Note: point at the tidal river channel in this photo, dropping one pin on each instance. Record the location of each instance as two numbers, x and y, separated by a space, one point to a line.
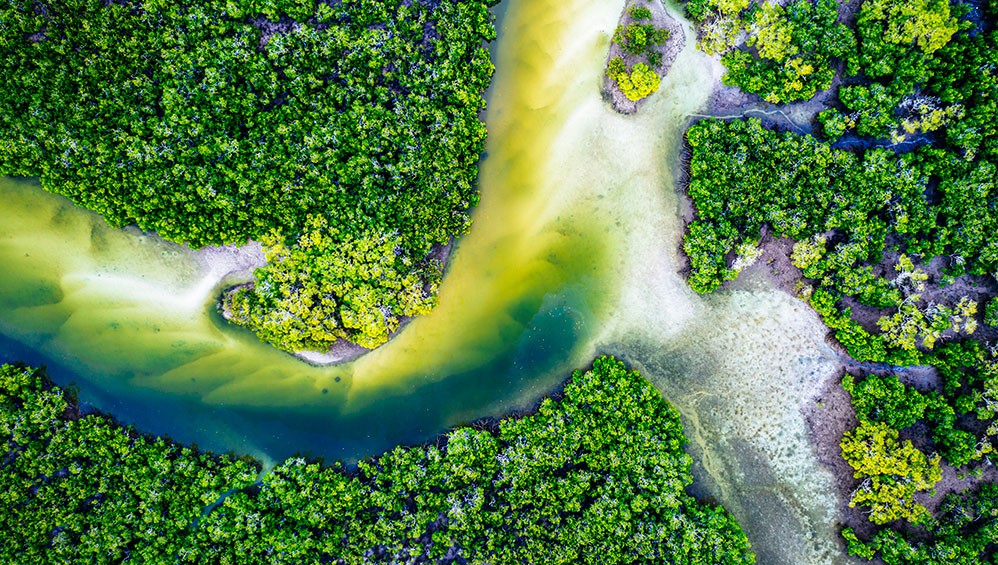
573 252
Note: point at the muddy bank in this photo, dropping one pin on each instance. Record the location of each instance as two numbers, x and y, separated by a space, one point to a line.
829 416
233 262
729 102
340 352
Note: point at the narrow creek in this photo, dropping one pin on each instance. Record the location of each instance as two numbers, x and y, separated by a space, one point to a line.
573 252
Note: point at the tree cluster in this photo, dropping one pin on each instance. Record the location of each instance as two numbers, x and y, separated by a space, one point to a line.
892 471
640 82
597 475
904 69
787 52
78 488
963 533
639 39
789 48
325 288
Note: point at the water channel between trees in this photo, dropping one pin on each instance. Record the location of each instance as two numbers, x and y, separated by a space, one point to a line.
573 252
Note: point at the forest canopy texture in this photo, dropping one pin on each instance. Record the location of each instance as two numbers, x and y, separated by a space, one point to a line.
217 121
594 476
892 208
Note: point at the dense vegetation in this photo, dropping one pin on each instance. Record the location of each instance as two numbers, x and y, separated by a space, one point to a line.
963 534
640 41
866 231
322 289
789 48
897 252
213 122
914 78
77 488
892 472
596 476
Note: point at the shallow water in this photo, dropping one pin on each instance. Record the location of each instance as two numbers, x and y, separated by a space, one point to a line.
573 251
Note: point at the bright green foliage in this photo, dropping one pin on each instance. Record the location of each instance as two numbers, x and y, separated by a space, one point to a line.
833 123
892 472
889 110
794 44
856 547
181 117
927 24
991 313
986 403
970 387
772 33
640 83
640 13
964 73
963 533
896 36
958 447
324 288
967 215
701 10
640 39
743 176
615 67
794 47
809 252
78 488
597 476
871 107
903 48
910 327
884 399
719 35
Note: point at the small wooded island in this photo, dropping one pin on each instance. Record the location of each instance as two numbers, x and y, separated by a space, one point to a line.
646 42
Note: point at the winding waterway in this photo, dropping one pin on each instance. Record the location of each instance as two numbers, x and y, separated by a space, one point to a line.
573 252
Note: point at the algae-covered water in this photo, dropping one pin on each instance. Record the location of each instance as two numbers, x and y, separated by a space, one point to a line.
574 251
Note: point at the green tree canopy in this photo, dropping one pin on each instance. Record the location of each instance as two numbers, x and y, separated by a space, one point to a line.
925 23
892 472
325 288
884 399
597 476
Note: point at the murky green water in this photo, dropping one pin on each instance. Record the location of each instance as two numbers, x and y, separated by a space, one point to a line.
573 251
